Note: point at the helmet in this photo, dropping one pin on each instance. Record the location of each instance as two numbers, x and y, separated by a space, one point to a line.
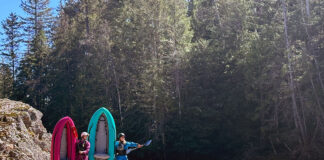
84 134
120 135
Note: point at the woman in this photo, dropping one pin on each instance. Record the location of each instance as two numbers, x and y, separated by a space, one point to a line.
83 147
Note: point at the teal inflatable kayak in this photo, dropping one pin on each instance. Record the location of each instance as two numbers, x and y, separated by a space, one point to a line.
102 136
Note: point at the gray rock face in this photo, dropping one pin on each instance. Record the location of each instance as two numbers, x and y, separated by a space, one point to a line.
22 134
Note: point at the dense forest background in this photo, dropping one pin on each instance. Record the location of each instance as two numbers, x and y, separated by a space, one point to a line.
205 79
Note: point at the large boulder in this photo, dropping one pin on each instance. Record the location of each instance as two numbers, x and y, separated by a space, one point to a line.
22 134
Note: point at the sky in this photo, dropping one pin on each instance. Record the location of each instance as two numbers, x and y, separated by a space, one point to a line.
8 6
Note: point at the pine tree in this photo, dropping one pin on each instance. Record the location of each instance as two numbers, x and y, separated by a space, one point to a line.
5 81
32 79
206 79
39 17
159 41
11 44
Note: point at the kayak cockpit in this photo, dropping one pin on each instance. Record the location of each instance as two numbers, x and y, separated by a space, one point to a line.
63 147
102 140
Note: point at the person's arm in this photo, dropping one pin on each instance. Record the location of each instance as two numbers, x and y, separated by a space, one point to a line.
77 145
133 144
87 149
116 144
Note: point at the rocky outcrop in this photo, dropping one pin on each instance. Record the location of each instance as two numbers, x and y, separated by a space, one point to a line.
22 134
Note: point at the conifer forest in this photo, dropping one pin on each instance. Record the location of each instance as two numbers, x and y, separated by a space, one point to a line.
204 79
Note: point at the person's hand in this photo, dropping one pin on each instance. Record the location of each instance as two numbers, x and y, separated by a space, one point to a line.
139 146
80 152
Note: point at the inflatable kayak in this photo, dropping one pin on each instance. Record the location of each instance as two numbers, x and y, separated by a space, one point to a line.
64 139
102 136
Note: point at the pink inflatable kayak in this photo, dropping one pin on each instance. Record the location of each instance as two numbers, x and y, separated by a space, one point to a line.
64 139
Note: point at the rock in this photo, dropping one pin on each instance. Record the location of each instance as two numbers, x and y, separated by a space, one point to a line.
22 134
9 147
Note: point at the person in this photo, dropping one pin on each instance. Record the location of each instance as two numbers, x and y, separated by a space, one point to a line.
83 147
122 145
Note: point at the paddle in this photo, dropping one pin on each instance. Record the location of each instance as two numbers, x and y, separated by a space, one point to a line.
147 143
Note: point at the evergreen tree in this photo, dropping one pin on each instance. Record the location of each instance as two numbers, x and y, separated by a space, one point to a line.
5 81
205 79
10 46
39 17
32 79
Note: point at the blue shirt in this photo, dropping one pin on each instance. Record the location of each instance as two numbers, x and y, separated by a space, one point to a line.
126 146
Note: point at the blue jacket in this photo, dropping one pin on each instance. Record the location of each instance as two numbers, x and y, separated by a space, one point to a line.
126 146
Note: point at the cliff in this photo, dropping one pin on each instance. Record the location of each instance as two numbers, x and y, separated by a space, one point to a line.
22 134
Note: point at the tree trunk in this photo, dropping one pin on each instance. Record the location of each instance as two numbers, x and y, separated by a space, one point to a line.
177 59
178 84
319 112
291 83
319 107
156 58
87 17
36 20
13 74
307 9
217 14
309 48
301 101
118 95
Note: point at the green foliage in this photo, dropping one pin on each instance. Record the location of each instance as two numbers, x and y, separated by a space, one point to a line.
32 79
38 17
205 79
9 51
